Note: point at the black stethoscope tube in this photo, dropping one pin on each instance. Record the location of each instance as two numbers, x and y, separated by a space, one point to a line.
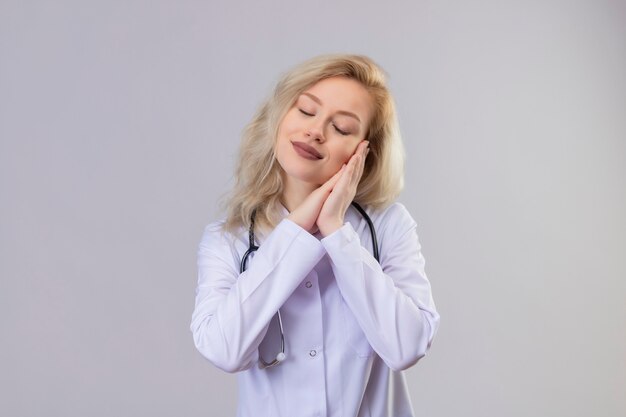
252 248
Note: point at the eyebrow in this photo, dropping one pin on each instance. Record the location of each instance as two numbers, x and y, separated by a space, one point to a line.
344 112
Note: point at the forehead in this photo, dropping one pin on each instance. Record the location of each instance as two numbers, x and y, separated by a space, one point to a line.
342 93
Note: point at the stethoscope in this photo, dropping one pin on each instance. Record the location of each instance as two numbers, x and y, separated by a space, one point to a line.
253 248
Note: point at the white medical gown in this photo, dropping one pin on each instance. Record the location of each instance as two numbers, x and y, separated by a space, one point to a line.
351 325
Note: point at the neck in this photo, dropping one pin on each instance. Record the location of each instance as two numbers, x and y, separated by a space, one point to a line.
295 192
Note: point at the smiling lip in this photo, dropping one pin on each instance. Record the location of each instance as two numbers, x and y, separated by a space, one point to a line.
306 151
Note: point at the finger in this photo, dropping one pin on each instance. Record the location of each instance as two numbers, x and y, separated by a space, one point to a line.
335 178
361 166
360 148
345 180
358 170
364 146
330 184
353 169
366 149
362 151
359 161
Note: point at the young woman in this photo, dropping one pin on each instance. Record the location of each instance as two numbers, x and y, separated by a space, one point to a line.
290 292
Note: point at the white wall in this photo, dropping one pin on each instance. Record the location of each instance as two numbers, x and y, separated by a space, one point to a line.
119 123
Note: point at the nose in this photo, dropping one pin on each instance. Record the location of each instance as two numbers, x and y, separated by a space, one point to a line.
315 130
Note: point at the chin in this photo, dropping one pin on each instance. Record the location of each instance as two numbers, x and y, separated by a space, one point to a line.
307 176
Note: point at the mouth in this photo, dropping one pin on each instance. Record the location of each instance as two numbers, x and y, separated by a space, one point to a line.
306 151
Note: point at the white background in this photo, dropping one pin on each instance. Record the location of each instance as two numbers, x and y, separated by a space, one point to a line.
119 126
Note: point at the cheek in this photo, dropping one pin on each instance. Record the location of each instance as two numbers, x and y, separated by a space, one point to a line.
288 124
345 152
283 135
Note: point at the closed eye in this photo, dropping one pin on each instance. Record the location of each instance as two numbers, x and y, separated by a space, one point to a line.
305 113
341 132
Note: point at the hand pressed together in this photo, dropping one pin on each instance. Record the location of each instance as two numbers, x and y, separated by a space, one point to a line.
326 206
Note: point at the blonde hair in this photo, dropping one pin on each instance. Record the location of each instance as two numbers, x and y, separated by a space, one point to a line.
259 184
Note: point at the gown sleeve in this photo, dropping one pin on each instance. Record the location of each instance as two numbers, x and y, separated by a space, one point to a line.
391 301
232 310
